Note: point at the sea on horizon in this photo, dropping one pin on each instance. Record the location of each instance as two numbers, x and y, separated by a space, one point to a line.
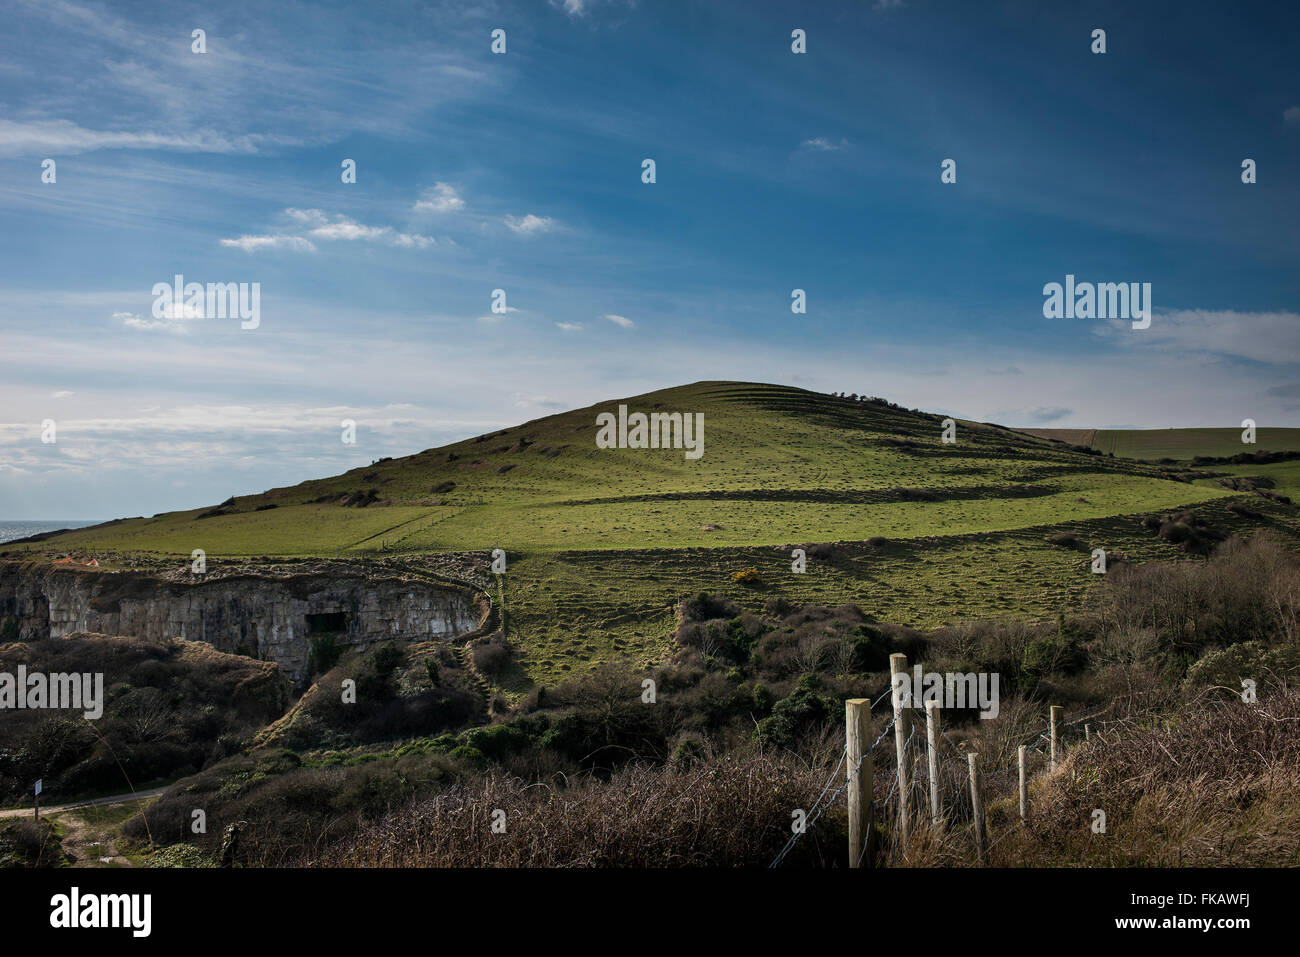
11 529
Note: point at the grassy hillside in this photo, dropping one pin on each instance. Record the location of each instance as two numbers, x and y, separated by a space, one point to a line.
780 465
603 543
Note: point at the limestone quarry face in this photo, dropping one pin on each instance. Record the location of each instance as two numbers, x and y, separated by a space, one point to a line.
274 614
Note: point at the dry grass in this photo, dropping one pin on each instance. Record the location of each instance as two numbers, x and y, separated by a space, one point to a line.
729 811
1218 785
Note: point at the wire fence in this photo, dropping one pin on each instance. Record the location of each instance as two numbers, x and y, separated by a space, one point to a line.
952 777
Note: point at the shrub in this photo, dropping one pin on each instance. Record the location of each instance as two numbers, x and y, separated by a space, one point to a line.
704 606
491 657
1226 667
324 654
1190 530
804 707
687 752
496 740
24 843
1057 654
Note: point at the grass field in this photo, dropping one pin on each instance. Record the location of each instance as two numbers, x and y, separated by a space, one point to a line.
1180 444
780 465
604 542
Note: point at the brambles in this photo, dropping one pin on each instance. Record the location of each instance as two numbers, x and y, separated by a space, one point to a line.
1189 529
26 843
171 708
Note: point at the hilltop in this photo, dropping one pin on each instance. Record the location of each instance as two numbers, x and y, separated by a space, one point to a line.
780 465
603 543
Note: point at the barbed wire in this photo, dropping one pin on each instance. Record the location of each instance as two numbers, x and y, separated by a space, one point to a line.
818 809
1038 742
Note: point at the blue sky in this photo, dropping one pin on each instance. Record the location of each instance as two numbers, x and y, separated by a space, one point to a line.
522 172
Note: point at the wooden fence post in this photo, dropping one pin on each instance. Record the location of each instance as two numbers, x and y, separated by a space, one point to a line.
1056 717
902 722
861 778
977 803
501 600
932 731
1024 786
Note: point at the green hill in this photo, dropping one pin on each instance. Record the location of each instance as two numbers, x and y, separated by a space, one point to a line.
780 465
604 542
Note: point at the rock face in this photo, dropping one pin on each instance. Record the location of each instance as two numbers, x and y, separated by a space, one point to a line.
272 616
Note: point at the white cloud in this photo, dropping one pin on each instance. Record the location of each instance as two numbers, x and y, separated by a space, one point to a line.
62 394
1272 337
251 243
574 8
530 225
66 137
323 227
348 229
821 144
133 321
308 217
623 321
440 198
577 9
413 240
570 326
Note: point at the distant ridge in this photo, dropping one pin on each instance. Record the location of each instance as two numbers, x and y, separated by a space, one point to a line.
1178 444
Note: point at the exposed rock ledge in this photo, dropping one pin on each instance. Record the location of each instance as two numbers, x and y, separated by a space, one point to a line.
272 612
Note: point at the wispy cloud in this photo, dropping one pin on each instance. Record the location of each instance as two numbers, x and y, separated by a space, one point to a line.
577 9
65 137
822 144
1272 337
530 225
525 401
618 320
570 326
439 198
497 316
252 243
327 228
1033 415
133 321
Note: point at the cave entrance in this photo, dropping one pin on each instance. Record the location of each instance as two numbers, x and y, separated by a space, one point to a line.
327 622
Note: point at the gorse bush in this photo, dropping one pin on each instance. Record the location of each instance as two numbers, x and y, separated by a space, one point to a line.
807 707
